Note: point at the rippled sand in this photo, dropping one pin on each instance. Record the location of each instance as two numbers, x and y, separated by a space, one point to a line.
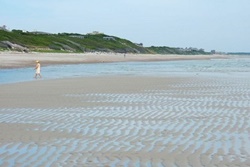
126 121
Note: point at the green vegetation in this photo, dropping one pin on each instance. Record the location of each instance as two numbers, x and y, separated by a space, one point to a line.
239 53
180 51
77 43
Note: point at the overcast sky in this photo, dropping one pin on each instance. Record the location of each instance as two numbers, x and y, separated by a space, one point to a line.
223 25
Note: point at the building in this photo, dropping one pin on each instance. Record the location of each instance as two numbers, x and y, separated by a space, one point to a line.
109 38
94 33
139 44
213 51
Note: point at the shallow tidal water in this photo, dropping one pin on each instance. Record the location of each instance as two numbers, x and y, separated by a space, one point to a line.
238 66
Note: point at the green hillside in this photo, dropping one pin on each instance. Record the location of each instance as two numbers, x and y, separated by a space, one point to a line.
179 51
77 43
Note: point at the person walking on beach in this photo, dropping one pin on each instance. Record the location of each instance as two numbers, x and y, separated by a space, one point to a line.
38 69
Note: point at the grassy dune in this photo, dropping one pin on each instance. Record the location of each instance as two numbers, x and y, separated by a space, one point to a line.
78 43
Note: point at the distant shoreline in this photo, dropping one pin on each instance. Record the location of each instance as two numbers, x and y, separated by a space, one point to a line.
22 60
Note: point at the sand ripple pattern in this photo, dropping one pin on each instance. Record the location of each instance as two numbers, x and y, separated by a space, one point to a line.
188 124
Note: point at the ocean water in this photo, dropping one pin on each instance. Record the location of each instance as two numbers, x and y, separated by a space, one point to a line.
237 66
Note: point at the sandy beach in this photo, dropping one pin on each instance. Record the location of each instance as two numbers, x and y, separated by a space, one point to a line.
109 121
125 121
18 60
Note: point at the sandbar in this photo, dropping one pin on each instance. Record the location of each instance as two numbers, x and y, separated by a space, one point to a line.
125 121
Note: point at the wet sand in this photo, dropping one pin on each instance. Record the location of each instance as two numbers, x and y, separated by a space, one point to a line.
126 121
18 60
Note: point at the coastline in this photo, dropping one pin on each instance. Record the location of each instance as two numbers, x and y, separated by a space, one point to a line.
198 119
20 60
